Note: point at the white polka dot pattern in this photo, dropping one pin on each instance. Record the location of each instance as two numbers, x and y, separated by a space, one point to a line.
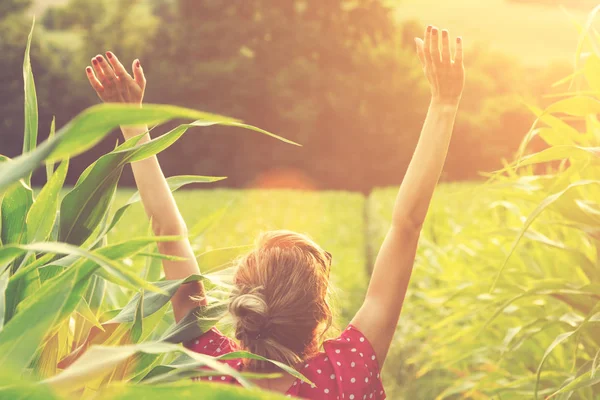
347 369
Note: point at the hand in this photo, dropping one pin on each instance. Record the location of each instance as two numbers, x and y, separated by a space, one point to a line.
112 82
446 75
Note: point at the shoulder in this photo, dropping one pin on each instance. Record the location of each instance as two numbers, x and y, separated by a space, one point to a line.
348 367
352 345
212 343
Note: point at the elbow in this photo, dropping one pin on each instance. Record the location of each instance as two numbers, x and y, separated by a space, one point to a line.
407 226
173 228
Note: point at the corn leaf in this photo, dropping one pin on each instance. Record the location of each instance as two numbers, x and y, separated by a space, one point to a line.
31 106
15 205
55 300
153 301
50 165
186 391
42 214
98 360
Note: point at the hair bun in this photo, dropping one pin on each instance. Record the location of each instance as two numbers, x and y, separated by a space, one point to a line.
251 314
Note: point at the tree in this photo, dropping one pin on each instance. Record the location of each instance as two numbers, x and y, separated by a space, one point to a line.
306 70
8 7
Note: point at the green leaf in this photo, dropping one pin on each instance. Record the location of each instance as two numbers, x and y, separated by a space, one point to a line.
13 170
244 126
83 309
3 284
50 165
152 301
42 214
558 340
15 206
578 106
15 386
244 354
18 290
31 107
591 68
161 256
101 257
56 299
90 126
582 381
85 206
174 182
197 321
587 28
536 212
560 153
98 360
138 320
186 391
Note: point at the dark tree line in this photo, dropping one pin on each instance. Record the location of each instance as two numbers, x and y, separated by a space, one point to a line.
340 77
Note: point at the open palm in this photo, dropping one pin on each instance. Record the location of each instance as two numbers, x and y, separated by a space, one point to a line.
112 82
446 74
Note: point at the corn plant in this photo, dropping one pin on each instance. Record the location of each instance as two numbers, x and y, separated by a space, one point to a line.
506 296
58 270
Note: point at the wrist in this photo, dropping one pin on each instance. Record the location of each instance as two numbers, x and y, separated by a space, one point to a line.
445 104
132 131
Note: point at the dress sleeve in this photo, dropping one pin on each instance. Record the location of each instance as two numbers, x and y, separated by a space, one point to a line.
357 371
212 343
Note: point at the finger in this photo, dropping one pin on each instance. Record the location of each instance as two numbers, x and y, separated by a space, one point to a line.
446 57
138 74
99 73
110 79
420 52
458 55
93 80
427 45
435 46
118 68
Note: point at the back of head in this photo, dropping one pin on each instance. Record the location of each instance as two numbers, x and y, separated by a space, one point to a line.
279 304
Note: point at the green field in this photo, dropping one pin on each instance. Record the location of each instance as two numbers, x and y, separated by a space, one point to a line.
454 334
335 220
351 228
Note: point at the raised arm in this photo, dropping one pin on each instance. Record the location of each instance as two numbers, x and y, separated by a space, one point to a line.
378 316
113 84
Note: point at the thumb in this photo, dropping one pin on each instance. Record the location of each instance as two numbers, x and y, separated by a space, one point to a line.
138 74
420 50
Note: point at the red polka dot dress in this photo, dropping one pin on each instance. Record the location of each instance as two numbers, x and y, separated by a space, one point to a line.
347 368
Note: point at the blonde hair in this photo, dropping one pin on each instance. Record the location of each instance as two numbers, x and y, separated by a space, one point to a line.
280 304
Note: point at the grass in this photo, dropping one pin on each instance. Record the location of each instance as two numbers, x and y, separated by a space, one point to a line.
445 337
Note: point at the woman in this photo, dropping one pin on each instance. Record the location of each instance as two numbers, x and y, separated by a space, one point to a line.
279 304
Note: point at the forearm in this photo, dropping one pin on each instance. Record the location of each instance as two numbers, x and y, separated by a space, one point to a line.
156 196
114 84
425 167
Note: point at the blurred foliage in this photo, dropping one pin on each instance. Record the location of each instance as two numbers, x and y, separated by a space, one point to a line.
51 77
338 76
